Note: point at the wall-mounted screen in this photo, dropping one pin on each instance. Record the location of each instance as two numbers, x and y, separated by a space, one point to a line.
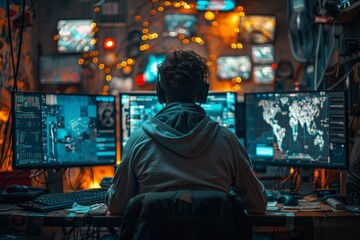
257 28
63 130
215 5
229 67
59 69
263 53
151 67
180 24
307 129
75 35
263 74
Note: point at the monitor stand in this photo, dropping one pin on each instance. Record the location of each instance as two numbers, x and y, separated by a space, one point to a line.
55 180
307 181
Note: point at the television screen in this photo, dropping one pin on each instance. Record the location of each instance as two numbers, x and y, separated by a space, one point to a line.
263 74
263 53
228 67
75 36
63 130
307 129
151 67
215 5
60 69
137 107
257 28
180 24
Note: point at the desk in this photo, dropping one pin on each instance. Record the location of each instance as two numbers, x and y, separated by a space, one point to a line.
322 225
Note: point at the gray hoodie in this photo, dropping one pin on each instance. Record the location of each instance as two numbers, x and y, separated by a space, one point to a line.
182 148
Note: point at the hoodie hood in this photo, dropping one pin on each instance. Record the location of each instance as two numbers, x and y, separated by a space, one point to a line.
183 128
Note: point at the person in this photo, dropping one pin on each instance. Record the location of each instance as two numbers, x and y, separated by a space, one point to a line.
181 148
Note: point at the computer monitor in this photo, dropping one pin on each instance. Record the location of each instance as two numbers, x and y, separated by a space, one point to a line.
215 5
229 67
54 131
60 69
137 107
263 74
180 24
305 129
75 35
264 53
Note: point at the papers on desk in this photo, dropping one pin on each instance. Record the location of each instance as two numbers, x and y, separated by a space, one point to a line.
305 205
95 209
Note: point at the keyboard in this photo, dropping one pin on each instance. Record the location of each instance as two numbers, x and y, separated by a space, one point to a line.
57 201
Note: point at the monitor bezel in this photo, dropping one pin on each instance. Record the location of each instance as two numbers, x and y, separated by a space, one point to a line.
299 164
16 166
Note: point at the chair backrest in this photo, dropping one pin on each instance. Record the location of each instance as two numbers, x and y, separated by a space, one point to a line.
185 214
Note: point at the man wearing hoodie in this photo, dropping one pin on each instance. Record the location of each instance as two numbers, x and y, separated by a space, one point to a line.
181 148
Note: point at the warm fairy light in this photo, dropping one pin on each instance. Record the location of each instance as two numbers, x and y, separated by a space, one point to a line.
238 79
144 37
187 6
105 93
106 88
137 18
130 61
209 15
292 170
214 23
198 40
93 42
56 37
241 14
167 3
145 24
96 9
101 66
240 8
145 31
107 70
201 42
155 35
123 63
154 1
185 41
118 66
233 45
81 61
239 45
95 60
212 57
153 12
237 30
108 78
160 9
176 4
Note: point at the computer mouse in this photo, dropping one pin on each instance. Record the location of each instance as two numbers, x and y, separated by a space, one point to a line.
16 188
287 200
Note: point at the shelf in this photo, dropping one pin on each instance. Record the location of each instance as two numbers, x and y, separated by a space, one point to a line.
349 14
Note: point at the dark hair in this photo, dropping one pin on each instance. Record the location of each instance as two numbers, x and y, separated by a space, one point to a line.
183 75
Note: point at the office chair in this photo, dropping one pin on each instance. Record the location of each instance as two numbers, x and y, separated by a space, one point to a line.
185 214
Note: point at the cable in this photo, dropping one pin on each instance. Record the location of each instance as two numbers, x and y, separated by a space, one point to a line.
356 110
326 62
341 79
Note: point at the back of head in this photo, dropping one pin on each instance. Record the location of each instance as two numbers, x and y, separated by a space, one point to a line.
183 77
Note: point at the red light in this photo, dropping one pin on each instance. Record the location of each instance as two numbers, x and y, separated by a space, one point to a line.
274 66
140 80
109 43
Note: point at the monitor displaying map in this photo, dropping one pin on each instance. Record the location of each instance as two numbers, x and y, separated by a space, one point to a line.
307 129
